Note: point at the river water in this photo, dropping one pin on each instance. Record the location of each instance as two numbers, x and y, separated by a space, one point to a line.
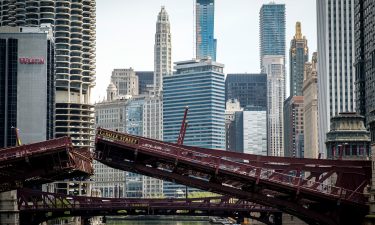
159 222
156 222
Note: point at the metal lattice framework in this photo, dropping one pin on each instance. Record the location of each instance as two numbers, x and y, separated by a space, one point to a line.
36 207
42 162
315 190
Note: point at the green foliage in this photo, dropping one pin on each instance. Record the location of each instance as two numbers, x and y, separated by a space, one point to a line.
202 194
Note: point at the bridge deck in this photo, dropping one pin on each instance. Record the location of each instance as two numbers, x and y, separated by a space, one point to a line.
42 162
34 205
271 181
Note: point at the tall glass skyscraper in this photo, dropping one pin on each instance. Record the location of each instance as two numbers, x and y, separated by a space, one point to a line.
198 84
272 30
204 21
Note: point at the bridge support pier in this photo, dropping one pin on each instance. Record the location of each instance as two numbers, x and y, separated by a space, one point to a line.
9 213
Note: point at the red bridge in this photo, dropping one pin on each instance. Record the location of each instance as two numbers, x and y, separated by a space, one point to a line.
315 190
36 207
42 162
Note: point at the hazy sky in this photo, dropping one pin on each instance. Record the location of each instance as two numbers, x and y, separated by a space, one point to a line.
126 29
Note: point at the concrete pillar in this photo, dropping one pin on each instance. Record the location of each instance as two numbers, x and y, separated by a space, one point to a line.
9 213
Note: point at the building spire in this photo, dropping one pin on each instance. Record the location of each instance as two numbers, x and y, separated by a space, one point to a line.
162 50
298 31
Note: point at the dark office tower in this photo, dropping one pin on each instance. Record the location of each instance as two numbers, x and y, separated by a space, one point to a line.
249 89
359 64
27 91
145 81
298 56
73 24
272 30
204 22
365 61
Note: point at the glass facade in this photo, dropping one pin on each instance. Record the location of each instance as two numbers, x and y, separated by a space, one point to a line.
249 89
2 89
272 30
205 42
145 81
10 91
200 86
251 131
134 125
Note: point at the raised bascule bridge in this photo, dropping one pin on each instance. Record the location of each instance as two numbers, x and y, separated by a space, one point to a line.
315 190
43 162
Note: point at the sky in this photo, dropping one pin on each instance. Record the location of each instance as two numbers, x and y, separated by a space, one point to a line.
125 32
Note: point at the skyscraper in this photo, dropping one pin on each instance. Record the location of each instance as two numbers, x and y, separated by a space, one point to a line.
365 75
310 112
74 33
365 61
198 84
162 50
336 57
274 66
231 107
27 92
272 30
250 128
293 127
298 55
204 29
248 89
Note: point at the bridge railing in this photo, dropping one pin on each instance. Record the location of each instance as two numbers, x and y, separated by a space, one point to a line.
221 163
29 149
182 153
31 200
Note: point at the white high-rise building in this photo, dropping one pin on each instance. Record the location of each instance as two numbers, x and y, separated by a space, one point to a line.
110 114
162 50
274 67
255 131
336 54
310 112
125 81
152 117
